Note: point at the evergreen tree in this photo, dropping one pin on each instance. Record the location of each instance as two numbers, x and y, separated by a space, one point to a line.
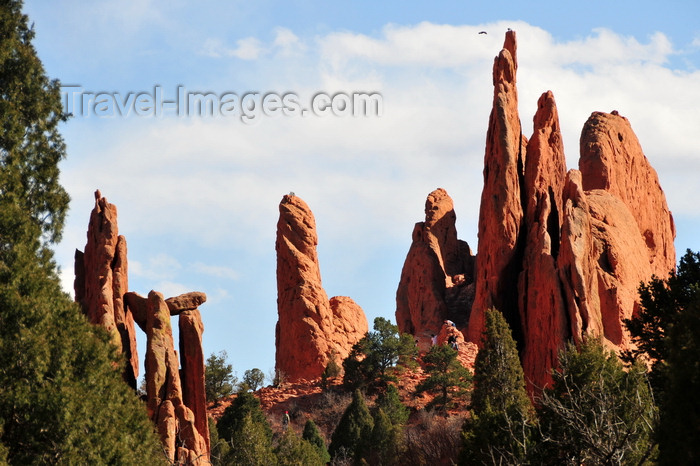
295 451
447 377
62 400
219 447
500 429
392 406
219 380
352 434
666 332
388 440
253 379
313 436
251 444
373 359
245 405
596 412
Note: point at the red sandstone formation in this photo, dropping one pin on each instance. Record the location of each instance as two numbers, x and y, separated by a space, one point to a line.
192 369
560 254
176 422
437 274
501 210
310 328
541 303
612 159
101 284
101 281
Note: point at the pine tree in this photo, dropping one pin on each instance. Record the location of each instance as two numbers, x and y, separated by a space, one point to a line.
500 429
313 436
353 432
219 380
447 377
388 440
62 400
667 334
596 412
374 358
245 405
293 450
251 444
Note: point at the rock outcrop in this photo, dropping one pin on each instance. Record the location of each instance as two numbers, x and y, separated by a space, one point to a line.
310 328
437 276
101 281
176 399
560 254
176 423
501 211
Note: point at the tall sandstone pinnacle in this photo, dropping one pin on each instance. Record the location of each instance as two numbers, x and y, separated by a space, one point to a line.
501 209
437 276
101 281
175 389
311 329
560 254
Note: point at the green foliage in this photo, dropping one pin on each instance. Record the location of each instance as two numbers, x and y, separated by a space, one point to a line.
219 447
353 432
502 419
392 406
332 369
313 436
245 405
447 377
219 380
251 443
253 379
33 201
373 358
295 451
62 400
596 412
667 332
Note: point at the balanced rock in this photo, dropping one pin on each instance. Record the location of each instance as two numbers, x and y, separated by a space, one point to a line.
437 273
309 330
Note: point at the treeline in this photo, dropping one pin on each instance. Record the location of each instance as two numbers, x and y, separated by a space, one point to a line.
600 409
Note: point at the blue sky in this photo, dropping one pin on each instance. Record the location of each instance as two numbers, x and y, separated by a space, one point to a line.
198 196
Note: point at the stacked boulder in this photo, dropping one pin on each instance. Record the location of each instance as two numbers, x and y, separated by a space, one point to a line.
176 399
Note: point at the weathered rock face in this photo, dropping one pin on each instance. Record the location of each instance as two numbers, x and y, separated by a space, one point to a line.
192 369
560 254
541 302
178 409
309 331
437 273
176 422
501 209
612 160
101 281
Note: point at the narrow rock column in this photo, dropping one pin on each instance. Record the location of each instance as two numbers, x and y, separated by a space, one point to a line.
192 369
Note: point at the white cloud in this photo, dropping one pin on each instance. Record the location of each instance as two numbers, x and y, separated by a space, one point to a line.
218 271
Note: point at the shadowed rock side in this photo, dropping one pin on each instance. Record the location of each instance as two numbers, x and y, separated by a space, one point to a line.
175 422
541 302
501 210
437 274
101 280
560 254
309 331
